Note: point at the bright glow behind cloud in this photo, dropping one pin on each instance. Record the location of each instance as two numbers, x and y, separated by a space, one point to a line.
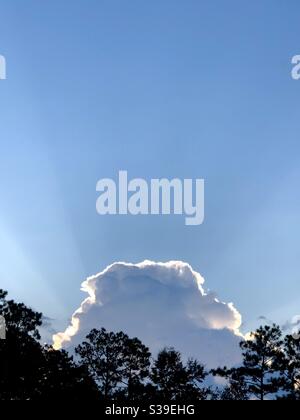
164 304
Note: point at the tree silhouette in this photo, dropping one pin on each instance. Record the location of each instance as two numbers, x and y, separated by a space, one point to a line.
135 368
114 367
19 318
258 375
101 354
20 354
62 379
236 389
174 381
288 366
117 363
27 370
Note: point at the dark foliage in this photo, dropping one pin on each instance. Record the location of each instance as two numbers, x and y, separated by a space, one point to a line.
113 366
118 364
29 371
175 381
258 377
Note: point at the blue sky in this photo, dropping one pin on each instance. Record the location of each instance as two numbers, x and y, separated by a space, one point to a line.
194 89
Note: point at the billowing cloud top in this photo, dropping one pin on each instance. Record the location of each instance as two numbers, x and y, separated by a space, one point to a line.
163 304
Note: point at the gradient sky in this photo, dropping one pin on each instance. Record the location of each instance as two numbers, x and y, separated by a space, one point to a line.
161 88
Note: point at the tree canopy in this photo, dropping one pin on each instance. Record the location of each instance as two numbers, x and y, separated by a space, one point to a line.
111 366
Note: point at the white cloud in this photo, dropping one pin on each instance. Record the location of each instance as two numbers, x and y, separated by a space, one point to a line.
164 304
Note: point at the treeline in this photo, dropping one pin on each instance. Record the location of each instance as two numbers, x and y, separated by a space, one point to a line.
111 366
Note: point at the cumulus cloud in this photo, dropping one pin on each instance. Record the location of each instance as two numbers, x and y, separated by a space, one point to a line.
164 304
